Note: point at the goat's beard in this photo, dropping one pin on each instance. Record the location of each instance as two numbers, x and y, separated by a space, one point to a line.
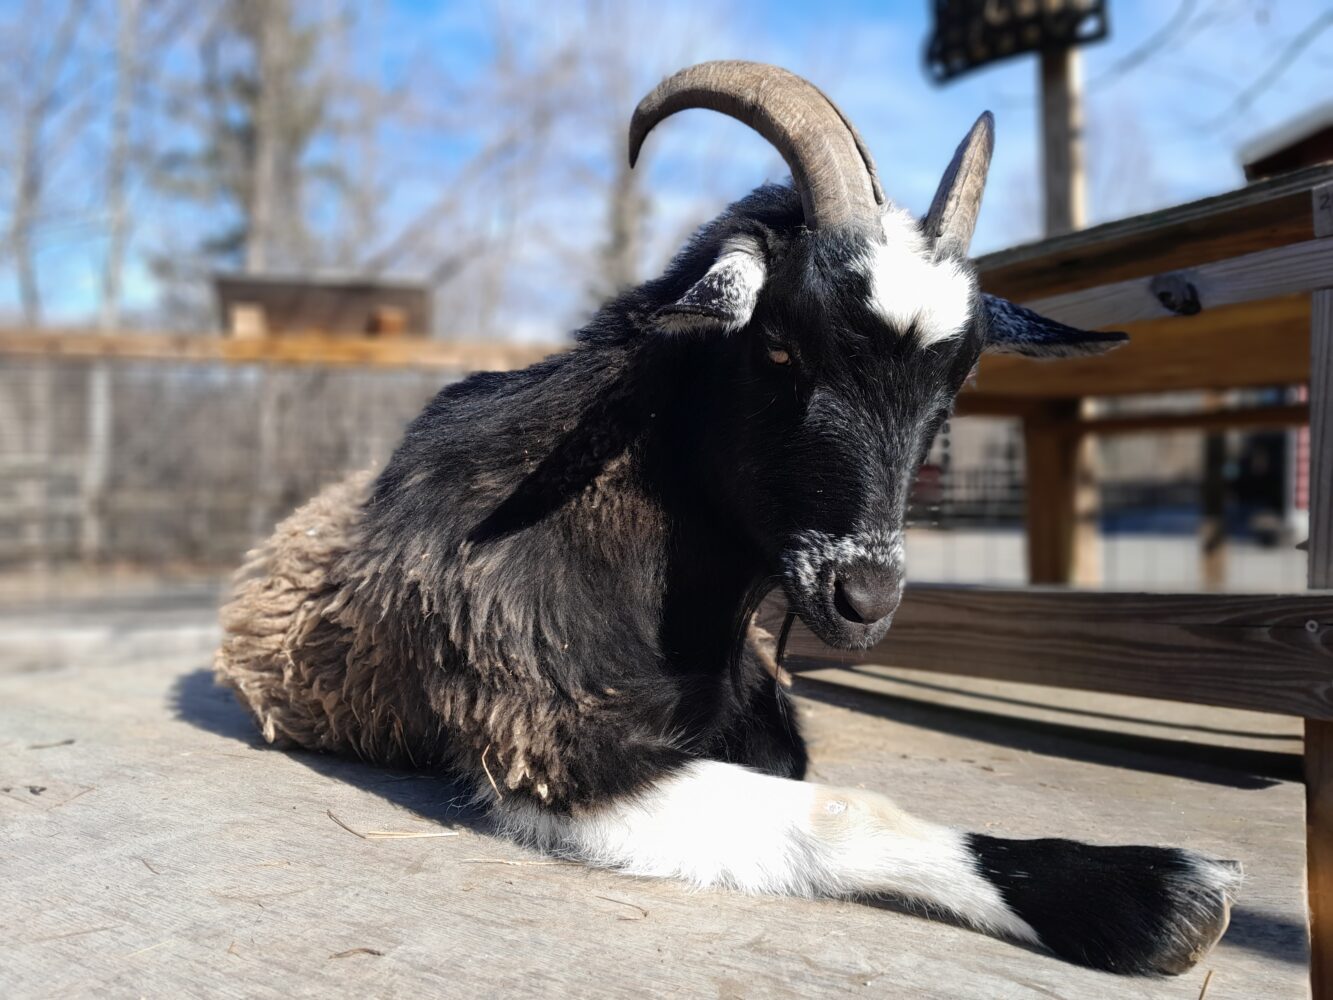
808 582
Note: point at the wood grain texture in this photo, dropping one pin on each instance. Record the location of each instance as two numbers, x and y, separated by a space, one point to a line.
169 854
1286 415
1319 732
1256 217
1254 344
1321 204
1267 274
316 351
1321 440
1271 653
1319 853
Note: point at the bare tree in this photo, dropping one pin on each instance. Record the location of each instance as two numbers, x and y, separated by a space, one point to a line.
548 192
118 162
97 461
46 93
251 122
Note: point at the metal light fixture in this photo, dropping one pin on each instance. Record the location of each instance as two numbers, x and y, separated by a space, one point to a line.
970 34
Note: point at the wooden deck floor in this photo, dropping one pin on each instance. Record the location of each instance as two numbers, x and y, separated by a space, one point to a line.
149 846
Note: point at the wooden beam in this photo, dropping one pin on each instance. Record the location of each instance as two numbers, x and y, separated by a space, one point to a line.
1287 415
1321 411
1264 652
1256 217
979 404
1267 274
317 351
1318 760
1255 344
1319 730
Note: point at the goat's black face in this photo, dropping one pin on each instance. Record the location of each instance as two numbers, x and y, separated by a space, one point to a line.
834 358
840 331
837 395
824 404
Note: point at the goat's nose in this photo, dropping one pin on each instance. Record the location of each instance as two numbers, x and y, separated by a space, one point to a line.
865 594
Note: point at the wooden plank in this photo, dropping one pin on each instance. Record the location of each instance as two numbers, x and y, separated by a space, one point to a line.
1257 217
1321 439
1284 415
1319 731
1319 853
1271 653
192 839
1288 270
1322 207
1291 415
1254 344
335 352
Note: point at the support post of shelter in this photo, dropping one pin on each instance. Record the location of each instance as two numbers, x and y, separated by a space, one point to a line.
1213 530
1061 521
1062 492
1319 733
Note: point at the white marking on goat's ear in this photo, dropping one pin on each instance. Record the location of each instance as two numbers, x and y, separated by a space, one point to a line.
910 289
724 298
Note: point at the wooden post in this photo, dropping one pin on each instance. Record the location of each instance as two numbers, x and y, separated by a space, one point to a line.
1062 486
1062 141
96 463
1213 527
1054 511
1319 734
269 415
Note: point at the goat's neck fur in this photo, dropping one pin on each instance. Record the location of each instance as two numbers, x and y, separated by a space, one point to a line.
558 531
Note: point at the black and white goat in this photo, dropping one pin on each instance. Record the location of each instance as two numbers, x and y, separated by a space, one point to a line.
548 590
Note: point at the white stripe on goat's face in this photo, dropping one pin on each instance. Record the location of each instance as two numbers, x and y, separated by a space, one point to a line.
909 289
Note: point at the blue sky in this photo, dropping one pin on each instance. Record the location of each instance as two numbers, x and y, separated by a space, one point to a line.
1165 132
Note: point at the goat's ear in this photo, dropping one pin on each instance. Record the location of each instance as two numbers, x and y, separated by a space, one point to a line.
724 298
953 211
1012 329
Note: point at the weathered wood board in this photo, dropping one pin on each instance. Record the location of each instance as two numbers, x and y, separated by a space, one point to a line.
1266 652
1256 217
149 846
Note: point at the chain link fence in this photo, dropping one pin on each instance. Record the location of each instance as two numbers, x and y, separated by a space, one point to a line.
175 468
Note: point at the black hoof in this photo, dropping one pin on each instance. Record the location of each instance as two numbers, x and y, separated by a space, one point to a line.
1141 910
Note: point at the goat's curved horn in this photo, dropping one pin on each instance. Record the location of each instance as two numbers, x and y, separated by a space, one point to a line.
953 211
830 164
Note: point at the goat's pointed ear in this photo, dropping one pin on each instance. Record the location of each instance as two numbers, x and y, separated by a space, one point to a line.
1012 329
952 217
724 298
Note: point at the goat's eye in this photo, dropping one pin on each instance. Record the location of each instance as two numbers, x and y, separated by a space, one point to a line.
779 356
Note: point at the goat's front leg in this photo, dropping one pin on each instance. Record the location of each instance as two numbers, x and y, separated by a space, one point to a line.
1125 909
